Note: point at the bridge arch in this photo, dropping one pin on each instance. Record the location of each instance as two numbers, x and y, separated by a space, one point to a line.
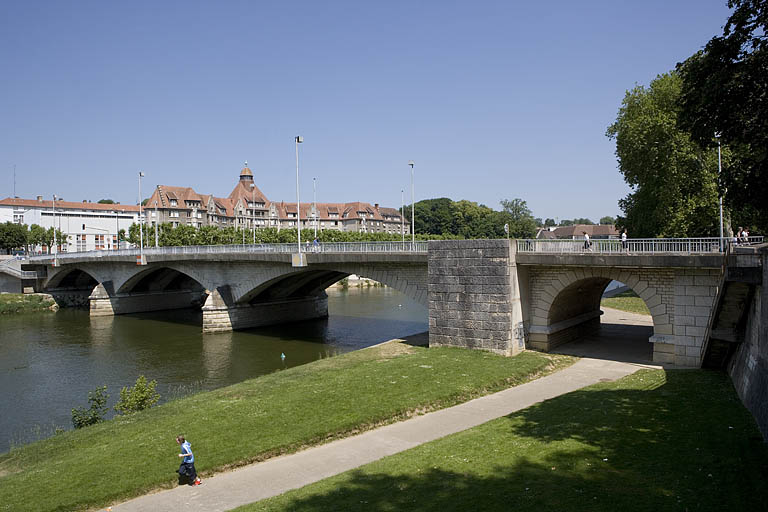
566 303
161 279
294 283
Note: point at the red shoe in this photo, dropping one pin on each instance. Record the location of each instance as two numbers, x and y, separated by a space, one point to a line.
198 482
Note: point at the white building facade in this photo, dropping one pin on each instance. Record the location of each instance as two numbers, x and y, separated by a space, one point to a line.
85 226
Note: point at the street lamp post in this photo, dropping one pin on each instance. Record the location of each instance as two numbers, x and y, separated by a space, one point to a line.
413 217
402 215
719 173
253 211
157 219
55 252
299 139
314 202
141 226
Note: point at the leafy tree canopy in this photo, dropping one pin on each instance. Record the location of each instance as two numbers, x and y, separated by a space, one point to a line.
607 220
12 236
725 91
105 201
673 180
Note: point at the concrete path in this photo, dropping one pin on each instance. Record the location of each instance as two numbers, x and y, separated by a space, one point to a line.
276 476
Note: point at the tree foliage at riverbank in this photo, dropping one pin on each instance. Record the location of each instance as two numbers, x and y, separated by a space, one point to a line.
673 180
725 91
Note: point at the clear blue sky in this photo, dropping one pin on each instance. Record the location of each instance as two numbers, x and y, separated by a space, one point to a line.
492 100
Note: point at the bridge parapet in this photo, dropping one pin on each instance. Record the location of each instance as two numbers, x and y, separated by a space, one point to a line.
634 246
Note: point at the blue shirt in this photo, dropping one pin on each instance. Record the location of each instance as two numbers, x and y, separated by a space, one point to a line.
186 448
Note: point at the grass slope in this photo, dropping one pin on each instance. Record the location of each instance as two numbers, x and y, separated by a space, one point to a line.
626 301
652 441
253 420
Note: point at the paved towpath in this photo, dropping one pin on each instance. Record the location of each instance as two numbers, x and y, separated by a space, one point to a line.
276 476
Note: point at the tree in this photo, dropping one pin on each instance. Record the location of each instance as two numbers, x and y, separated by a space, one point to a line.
583 220
13 236
607 220
673 181
96 410
105 201
724 90
141 396
519 217
549 223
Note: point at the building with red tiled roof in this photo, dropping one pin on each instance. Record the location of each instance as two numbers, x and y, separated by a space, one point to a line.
247 207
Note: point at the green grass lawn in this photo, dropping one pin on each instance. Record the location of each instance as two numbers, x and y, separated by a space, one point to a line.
653 441
20 303
256 419
626 301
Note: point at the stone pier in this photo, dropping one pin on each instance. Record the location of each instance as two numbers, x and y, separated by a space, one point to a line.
219 315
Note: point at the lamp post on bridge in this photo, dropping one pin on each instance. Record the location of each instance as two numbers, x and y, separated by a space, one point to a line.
413 215
253 211
719 173
299 139
141 225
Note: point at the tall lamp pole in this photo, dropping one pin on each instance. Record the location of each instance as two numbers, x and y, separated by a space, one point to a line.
720 173
314 202
157 231
141 227
55 252
299 139
402 214
413 227
253 211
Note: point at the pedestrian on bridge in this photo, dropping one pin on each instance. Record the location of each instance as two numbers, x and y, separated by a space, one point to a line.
624 243
587 243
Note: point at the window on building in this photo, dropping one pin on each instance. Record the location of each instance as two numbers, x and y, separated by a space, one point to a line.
174 202
100 242
80 242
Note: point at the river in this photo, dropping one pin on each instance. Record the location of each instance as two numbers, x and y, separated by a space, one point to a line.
50 361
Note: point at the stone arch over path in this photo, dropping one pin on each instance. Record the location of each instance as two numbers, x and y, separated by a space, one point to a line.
565 301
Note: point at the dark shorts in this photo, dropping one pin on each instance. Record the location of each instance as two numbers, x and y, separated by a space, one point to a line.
187 473
624 244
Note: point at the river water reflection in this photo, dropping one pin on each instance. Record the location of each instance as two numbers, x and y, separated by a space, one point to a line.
49 362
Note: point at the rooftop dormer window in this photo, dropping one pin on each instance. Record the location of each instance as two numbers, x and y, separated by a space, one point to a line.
173 202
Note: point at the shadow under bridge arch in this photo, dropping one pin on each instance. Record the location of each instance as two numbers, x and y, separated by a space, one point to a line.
568 318
72 287
155 288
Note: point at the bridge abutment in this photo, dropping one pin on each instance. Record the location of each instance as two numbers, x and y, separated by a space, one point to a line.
220 315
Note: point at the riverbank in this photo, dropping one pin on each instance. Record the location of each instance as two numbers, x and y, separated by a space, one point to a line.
13 303
278 413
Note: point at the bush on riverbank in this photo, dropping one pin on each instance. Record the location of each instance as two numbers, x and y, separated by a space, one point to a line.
655 440
260 418
11 303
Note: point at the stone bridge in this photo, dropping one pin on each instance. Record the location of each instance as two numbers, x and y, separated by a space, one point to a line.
496 295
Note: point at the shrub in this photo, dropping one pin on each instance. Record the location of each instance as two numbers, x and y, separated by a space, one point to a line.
141 396
95 414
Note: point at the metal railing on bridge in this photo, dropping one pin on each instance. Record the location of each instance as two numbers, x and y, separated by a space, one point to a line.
289 248
633 246
8 268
